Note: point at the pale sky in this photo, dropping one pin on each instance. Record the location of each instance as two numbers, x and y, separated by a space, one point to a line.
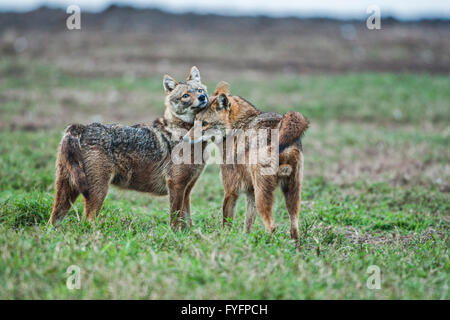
402 9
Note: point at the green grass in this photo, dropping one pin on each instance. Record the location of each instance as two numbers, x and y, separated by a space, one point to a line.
393 211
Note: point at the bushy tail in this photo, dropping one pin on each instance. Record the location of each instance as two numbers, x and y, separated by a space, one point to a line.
292 126
71 156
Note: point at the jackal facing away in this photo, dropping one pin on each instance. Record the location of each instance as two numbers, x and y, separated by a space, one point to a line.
232 113
93 156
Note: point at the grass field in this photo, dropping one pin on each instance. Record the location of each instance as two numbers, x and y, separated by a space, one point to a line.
376 192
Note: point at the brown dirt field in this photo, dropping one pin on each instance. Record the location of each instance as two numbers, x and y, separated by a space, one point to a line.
146 42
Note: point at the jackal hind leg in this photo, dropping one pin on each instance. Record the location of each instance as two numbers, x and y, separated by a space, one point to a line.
264 197
65 196
94 202
250 213
291 190
98 180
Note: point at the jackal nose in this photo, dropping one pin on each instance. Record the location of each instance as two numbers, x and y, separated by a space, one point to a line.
202 98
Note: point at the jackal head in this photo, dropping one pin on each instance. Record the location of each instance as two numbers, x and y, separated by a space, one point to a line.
214 120
185 99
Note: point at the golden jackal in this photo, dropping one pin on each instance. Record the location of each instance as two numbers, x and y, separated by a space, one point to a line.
92 156
229 114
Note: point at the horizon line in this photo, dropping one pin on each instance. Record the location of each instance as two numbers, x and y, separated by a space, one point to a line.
316 14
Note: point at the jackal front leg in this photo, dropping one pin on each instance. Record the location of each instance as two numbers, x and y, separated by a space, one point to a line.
176 198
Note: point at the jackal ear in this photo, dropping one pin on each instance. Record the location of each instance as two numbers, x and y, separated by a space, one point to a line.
194 74
222 87
222 102
169 83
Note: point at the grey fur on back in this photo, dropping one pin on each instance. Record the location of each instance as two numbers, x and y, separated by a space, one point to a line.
147 142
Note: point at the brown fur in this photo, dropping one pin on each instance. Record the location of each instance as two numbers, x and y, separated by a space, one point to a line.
91 157
292 127
72 159
233 112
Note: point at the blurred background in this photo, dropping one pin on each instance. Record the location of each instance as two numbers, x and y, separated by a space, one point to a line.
227 40
317 58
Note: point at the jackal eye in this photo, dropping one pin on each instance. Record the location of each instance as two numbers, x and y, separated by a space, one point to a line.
185 95
204 123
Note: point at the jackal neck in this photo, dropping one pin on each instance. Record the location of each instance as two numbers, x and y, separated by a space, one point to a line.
241 112
175 121
170 120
